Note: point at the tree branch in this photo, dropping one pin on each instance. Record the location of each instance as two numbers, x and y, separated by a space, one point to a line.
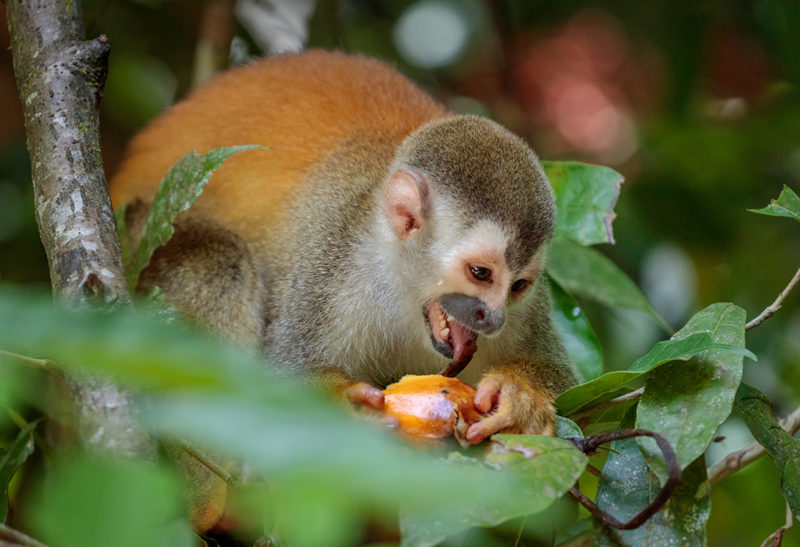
770 310
60 80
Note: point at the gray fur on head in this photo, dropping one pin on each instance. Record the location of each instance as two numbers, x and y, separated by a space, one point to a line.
490 172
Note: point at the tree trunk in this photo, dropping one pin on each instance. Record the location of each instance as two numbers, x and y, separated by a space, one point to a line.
60 81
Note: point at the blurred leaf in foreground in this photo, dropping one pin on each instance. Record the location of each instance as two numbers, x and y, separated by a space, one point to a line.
100 503
224 399
542 469
317 457
135 348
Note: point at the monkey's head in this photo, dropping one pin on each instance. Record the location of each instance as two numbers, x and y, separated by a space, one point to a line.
470 212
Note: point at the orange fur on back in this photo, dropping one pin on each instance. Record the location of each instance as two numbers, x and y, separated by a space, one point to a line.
301 106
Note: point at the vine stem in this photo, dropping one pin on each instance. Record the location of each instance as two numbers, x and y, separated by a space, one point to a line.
635 394
43 364
770 310
776 538
747 455
590 444
17 537
209 464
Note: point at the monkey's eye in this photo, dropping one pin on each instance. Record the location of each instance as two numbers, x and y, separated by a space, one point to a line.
480 273
520 285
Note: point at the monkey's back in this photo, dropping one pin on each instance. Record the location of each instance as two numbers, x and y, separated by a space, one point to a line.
301 106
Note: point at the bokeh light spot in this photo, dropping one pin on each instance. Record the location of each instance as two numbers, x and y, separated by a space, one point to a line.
431 33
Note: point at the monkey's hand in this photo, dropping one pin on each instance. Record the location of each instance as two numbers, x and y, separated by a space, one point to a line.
360 393
372 399
512 405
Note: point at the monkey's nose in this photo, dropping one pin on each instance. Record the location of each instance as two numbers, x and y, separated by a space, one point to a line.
473 313
487 321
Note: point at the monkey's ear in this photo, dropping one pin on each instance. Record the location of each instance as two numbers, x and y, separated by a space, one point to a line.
406 203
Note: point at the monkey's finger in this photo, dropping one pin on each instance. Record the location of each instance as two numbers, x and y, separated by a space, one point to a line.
489 426
365 395
488 395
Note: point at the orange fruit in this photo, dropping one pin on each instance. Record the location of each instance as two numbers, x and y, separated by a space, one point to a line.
432 407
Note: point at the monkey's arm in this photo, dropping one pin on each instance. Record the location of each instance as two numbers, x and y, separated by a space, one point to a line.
208 273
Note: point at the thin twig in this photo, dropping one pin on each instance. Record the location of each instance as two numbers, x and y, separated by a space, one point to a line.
6 532
747 455
770 310
776 538
211 465
635 394
43 364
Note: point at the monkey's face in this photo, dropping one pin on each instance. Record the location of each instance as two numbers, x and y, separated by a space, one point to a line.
471 210
475 287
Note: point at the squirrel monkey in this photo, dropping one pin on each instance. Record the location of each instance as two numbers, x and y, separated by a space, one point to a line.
379 235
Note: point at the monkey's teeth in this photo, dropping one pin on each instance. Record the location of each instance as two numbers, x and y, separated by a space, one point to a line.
444 333
442 324
450 318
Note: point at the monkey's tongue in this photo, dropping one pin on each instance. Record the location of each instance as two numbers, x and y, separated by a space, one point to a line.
464 342
448 333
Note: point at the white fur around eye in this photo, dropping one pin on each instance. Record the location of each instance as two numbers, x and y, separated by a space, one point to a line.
485 237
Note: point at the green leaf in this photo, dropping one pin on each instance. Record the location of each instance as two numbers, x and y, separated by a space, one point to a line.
758 414
676 349
317 455
179 189
627 486
137 349
585 272
11 458
686 403
566 428
585 199
15 380
787 205
209 395
541 469
99 503
576 333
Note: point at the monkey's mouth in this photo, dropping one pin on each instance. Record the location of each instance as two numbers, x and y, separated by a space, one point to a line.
448 336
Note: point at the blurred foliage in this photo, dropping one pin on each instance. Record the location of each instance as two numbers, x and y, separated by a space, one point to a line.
704 99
